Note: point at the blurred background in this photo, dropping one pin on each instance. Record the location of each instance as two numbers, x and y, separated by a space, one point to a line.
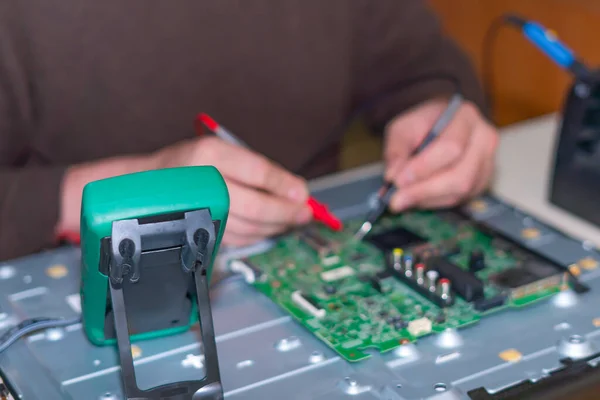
525 83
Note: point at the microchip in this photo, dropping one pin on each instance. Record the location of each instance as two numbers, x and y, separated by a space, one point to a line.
531 277
398 237
530 272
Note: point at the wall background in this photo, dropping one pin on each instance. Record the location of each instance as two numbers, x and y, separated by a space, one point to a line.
526 83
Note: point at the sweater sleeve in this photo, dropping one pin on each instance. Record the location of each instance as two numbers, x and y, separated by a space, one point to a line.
399 47
29 195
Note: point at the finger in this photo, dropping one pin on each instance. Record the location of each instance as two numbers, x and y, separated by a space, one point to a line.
243 227
260 207
231 239
407 131
452 184
488 169
485 178
398 148
392 168
446 150
251 169
449 200
443 201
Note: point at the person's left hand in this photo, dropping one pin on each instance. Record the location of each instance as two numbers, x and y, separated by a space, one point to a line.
457 165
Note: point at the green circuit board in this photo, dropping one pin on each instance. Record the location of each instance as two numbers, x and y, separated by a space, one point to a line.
358 295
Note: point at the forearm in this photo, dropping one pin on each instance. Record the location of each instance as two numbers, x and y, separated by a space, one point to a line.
38 202
77 176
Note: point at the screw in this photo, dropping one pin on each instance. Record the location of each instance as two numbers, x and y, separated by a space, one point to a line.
440 387
587 245
7 272
316 357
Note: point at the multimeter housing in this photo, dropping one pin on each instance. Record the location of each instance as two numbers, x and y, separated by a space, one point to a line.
148 243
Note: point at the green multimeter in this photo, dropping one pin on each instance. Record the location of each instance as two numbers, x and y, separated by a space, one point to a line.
148 242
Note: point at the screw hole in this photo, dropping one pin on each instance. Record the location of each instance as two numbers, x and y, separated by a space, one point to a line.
127 248
175 321
399 386
576 339
440 387
201 237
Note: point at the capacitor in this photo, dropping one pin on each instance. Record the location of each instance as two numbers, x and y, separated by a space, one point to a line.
420 274
397 258
432 276
400 324
476 261
329 289
444 289
408 266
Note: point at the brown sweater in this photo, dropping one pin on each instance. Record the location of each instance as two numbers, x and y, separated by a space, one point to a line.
87 79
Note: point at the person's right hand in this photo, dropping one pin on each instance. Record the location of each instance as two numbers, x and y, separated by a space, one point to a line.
265 199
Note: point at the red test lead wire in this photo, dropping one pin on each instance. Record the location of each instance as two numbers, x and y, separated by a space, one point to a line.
320 211
69 237
322 214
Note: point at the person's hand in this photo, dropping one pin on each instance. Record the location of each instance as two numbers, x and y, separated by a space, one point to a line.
265 199
457 165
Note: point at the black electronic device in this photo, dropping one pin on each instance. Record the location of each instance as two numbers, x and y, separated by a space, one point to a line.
575 180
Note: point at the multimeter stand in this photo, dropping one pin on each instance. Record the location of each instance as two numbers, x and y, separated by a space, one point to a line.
576 177
139 247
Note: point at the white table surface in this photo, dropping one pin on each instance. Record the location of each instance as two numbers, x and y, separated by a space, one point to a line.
524 166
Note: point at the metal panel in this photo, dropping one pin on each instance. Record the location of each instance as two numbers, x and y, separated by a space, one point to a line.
264 354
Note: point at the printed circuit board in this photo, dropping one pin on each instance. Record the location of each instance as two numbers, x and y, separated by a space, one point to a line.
416 274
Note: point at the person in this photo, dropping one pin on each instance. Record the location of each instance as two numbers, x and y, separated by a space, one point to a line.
91 89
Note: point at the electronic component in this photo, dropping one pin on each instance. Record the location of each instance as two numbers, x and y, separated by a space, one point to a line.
376 284
322 246
337 274
419 327
414 270
531 277
397 259
400 324
248 270
308 305
396 238
418 284
476 261
331 260
432 276
467 285
444 290
420 274
487 304
329 289
407 266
